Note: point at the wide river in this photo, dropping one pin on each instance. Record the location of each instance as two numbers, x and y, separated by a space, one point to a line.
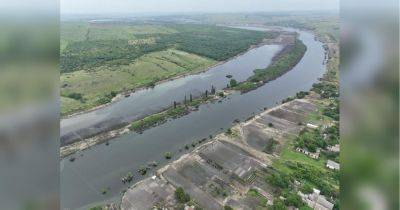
102 166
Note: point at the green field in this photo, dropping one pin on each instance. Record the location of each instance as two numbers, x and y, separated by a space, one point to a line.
99 60
96 84
87 45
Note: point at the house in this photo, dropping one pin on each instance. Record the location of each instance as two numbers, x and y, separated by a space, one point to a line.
314 155
332 165
335 148
316 201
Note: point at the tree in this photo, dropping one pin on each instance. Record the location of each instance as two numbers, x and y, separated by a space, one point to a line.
212 89
206 93
228 208
181 196
278 205
174 104
168 155
294 200
279 180
306 189
190 98
233 83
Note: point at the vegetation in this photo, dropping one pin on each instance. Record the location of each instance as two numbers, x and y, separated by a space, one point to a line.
99 58
293 199
277 205
262 201
168 155
99 48
228 208
159 118
175 111
280 65
233 83
181 196
96 208
332 110
326 90
311 140
306 189
142 170
99 85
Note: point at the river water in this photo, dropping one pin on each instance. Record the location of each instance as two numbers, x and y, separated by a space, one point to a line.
102 166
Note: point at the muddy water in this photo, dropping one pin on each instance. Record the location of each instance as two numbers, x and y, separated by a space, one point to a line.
103 166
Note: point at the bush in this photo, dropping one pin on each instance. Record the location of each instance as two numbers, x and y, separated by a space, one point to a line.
278 205
181 196
142 170
306 189
294 200
168 155
76 96
228 208
233 83
279 180
311 140
301 94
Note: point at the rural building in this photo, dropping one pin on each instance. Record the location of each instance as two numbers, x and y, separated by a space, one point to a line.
332 165
316 201
314 155
335 148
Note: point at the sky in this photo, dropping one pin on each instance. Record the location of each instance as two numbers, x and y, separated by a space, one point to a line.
180 6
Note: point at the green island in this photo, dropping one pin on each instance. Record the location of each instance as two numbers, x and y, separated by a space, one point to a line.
100 60
281 64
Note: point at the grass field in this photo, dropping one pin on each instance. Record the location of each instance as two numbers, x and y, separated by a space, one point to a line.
150 68
100 59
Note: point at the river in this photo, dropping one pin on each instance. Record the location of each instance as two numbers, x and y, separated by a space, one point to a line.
102 166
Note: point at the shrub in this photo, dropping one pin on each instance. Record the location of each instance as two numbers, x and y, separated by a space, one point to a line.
142 170
306 189
294 200
228 208
279 180
233 83
278 205
181 196
168 155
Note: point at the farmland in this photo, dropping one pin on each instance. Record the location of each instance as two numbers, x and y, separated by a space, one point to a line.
99 60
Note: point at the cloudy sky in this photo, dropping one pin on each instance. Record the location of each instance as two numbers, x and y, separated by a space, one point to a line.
173 6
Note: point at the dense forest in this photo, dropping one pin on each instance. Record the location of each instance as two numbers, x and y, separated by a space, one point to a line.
218 43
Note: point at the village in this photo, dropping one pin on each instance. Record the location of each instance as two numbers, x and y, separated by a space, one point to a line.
246 167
